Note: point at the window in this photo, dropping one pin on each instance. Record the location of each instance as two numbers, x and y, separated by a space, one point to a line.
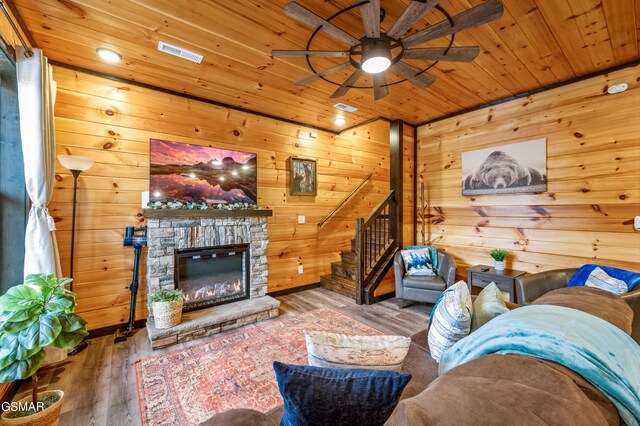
13 195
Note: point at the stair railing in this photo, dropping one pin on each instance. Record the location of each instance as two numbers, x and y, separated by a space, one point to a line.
342 203
376 242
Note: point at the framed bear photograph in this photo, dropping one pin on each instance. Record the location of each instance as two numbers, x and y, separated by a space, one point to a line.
508 169
303 176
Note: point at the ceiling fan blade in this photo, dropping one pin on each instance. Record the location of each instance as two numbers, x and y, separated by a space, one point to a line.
455 54
312 53
307 17
350 81
412 74
380 89
412 14
308 79
488 11
370 14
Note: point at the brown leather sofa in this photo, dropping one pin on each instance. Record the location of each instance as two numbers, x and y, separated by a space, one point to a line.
424 289
494 389
531 287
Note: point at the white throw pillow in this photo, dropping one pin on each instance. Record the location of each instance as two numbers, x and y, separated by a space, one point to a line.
343 351
417 262
450 319
600 279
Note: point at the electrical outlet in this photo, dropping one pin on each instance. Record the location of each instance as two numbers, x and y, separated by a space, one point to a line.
300 269
301 219
636 223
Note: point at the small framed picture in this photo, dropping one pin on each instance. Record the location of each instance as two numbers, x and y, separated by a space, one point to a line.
302 176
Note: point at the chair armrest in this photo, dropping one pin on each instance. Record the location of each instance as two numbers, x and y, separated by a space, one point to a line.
398 271
530 287
633 300
447 269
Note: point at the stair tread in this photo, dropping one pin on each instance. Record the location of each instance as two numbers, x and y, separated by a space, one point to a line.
343 264
341 280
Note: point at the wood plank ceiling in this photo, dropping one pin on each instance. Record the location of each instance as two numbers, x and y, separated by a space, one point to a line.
535 44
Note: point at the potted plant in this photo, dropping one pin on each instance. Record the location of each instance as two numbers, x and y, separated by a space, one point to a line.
166 307
499 256
33 315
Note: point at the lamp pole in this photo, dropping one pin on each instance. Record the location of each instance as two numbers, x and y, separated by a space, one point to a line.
75 173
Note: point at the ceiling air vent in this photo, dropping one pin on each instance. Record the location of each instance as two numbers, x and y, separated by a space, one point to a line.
179 52
345 107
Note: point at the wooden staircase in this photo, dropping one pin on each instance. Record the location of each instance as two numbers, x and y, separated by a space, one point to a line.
361 269
342 278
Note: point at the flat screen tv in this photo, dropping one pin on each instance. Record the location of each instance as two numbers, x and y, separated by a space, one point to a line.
189 173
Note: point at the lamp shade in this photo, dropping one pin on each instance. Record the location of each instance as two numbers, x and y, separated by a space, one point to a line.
74 162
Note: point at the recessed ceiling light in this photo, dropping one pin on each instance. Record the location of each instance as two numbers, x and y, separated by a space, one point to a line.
618 88
340 121
108 55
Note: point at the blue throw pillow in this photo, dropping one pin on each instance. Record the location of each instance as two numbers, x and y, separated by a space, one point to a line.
336 396
582 275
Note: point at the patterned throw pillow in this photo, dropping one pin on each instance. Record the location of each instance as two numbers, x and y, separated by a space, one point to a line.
600 279
417 262
344 351
450 319
338 396
488 305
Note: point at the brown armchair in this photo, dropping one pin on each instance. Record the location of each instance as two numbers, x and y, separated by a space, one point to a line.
530 287
424 289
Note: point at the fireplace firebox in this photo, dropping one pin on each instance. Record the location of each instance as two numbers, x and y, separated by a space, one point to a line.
213 275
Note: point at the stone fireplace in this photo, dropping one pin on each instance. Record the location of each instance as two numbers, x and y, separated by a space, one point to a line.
219 259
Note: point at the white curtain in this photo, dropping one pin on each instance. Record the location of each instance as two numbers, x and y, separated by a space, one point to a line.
36 97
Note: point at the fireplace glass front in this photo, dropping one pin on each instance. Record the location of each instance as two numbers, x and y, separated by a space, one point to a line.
213 275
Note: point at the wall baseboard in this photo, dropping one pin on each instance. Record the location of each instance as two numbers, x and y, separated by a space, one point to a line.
293 290
104 331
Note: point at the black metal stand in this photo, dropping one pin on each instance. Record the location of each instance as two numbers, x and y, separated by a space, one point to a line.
137 241
82 345
75 173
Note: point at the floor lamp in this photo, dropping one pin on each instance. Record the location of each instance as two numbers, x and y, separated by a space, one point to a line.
75 165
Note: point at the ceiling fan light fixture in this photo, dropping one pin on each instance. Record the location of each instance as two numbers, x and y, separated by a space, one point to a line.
376 57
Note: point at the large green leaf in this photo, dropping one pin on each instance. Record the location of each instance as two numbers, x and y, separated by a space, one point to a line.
11 350
22 369
62 303
70 322
40 333
44 284
15 327
18 298
70 340
18 316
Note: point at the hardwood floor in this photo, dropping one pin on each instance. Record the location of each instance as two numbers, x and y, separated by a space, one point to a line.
100 384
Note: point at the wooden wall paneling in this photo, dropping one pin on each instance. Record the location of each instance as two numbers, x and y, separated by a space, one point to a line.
112 123
593 166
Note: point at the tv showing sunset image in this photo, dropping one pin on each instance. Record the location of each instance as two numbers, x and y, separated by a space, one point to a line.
189 173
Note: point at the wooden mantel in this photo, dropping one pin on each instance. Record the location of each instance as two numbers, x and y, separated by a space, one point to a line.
172 213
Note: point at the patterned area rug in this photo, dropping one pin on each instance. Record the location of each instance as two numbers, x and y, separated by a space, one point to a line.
187 386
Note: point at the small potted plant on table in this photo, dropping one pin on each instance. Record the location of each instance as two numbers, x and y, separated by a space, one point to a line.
166 306
499 256
33 315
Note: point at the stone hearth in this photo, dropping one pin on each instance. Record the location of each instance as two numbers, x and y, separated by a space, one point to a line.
170 230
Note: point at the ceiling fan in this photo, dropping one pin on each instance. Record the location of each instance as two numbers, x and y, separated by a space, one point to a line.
378 52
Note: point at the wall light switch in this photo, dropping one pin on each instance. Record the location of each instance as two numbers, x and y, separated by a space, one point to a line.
301 219
145 199
636 223
300 269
